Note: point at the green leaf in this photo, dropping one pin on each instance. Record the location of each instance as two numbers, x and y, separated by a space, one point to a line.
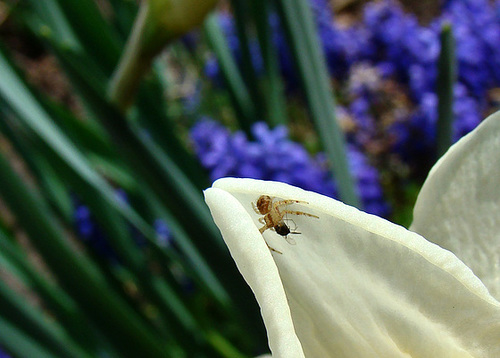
54 190
224 347
19 343
272 82
445 83
310 63
242 17
26 107
196 266
47 17
245 108
151 112
66 156
159 292
83 282
17 310
155 169
124 15
174 314
100 40
60 304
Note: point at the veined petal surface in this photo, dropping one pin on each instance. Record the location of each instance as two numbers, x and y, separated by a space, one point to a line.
354 285
458 206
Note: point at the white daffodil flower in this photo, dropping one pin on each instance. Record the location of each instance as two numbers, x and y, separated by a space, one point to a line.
356 285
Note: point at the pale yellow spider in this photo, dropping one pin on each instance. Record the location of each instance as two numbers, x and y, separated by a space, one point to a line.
274 215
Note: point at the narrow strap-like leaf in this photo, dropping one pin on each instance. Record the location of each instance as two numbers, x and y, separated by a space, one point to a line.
75 273
56 299
19 343
172 187
298 21
272 83
242 17
445 84
17 310
246 112
99 39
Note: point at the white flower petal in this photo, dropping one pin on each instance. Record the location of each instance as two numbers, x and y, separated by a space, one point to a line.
258 268
354 285
459 205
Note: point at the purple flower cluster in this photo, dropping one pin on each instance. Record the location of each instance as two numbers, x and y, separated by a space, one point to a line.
368 183
418 137
407 50
404 52
477 31
272 156
412 52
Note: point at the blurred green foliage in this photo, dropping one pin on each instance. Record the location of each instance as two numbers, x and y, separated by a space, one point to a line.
137 304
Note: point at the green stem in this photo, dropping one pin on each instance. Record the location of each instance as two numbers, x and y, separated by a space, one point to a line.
133 64
158 23
445 82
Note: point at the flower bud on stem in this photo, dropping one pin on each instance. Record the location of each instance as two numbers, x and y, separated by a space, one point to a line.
158 23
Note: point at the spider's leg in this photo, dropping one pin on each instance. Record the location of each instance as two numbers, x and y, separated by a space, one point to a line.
255 208
300 213
294 230
290 240
273 249
262 220
264 228
288 202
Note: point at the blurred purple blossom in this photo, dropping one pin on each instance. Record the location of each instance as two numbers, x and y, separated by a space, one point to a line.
273 156
368 183
3 354
163 233
419 138
401 49
91 233
94 237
